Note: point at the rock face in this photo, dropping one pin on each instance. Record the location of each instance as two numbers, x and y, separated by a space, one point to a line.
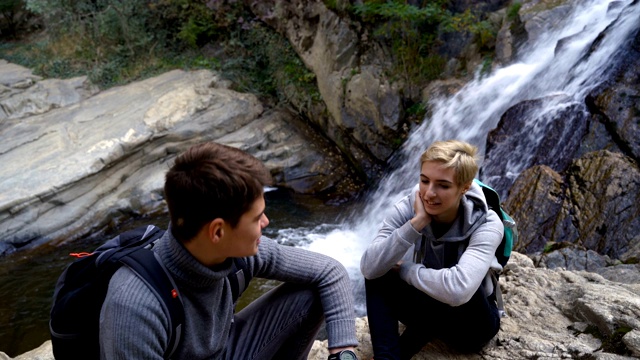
555 129
576 179
77 161
365 107
22 94
551 207
553 314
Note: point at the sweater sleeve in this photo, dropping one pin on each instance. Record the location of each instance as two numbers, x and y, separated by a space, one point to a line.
395 240
329 276
133 324
456 285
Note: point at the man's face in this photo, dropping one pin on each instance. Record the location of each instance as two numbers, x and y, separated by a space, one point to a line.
243 240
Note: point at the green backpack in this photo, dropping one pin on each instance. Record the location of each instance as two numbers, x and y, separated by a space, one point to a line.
510 229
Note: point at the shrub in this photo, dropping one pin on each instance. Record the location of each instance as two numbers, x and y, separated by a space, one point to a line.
412 33
13 17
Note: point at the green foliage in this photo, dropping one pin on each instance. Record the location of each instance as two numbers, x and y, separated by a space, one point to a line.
114 41
418 110
412 33
551 246
331 4
486 66
512 11
118 41
468 22
398 11
194 30
104 38
264 62
611 343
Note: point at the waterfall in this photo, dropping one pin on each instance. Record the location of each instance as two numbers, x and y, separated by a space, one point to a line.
560 61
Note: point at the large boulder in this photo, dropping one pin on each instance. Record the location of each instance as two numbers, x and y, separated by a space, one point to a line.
595 203
87 161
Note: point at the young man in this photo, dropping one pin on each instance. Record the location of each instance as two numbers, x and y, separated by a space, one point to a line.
217 210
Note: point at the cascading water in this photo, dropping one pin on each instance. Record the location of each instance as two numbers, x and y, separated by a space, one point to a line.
559 61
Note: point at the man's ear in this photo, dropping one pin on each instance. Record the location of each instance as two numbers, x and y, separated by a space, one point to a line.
466 187
216 230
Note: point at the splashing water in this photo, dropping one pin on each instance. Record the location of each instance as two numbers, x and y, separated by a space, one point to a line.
544 69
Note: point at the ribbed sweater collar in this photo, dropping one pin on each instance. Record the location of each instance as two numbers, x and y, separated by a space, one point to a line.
184 267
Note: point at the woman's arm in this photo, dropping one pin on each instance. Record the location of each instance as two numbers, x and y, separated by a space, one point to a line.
394 240
456 285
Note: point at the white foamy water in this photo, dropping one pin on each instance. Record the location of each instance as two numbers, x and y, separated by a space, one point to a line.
470 114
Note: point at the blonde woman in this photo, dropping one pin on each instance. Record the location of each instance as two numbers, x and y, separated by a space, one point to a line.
429 265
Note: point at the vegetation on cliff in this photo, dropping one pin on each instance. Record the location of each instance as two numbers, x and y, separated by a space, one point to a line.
116 42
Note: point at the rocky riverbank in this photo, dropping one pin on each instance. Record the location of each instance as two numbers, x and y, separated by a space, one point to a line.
553 314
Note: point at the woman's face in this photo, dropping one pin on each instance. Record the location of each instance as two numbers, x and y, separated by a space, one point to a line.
439 192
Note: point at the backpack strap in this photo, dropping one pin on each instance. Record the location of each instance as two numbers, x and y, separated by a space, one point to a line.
239 277
147 266
498 294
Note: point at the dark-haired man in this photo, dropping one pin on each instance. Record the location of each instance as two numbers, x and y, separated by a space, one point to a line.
216 204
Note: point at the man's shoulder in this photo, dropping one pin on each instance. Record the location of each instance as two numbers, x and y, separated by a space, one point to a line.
126 286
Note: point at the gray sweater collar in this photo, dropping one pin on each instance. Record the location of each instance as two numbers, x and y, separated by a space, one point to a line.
184 267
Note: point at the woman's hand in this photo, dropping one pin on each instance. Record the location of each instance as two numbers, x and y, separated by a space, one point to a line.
396 267
421 218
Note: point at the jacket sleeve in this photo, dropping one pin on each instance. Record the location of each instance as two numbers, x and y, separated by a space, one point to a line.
456 285
395 241
329 276
133 324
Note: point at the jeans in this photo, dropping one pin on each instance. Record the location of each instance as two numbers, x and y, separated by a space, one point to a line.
281 324
467 328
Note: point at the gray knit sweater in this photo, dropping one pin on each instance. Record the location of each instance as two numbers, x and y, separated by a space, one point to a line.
133 324
398 240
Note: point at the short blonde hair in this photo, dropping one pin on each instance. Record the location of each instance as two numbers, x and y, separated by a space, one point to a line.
459 155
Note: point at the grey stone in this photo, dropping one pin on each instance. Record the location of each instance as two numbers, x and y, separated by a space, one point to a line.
95 159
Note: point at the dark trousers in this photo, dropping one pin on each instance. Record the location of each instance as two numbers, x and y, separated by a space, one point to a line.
467 328
281 324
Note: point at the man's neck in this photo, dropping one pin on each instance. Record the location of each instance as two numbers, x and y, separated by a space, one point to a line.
204 251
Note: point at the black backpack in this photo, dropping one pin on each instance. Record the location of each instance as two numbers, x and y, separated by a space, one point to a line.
82 287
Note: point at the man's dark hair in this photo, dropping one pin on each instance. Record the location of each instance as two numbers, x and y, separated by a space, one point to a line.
210 181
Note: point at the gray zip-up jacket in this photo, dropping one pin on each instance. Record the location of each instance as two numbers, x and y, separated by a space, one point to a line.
134 324
398 240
